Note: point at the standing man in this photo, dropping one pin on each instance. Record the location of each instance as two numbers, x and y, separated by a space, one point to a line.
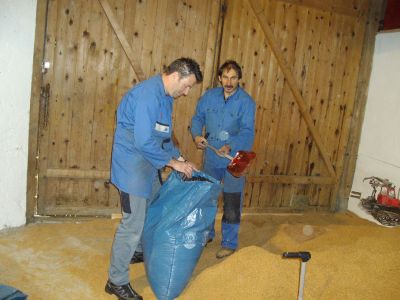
227 114
142 145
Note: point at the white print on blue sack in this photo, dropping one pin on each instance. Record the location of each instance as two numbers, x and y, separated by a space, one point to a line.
161 127
189 240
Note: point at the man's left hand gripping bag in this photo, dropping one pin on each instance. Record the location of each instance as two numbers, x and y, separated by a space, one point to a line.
176 230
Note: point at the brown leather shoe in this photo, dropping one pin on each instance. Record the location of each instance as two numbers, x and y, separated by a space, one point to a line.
224 252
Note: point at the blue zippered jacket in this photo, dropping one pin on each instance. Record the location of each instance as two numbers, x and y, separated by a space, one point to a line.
142 139
228 122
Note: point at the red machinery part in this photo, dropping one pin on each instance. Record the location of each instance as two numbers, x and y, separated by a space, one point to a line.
386 200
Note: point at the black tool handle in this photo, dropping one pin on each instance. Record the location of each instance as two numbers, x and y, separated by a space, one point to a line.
304 255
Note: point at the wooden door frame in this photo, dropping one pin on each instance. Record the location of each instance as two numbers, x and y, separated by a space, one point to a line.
34 113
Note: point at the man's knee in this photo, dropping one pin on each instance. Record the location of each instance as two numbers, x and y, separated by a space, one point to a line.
232 208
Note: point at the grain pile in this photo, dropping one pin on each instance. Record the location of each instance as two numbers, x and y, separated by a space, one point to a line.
252 273
348 262
351 259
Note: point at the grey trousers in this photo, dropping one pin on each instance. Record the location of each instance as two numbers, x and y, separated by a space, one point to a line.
128 235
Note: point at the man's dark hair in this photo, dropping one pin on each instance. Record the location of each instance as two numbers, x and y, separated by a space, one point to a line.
185 67
230 64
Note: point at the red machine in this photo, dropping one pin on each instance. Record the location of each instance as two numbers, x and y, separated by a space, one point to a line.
387 197
384 206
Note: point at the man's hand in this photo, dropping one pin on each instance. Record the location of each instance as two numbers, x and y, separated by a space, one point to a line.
224 150
185 167
201 142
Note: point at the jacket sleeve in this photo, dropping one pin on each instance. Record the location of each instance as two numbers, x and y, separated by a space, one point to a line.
245 138
198 120
146 112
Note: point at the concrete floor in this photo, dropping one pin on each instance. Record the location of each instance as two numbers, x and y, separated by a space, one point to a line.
351 259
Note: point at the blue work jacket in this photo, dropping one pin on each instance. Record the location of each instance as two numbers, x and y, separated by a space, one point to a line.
229 122
142 138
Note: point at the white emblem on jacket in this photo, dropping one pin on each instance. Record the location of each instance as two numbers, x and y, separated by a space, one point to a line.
161 127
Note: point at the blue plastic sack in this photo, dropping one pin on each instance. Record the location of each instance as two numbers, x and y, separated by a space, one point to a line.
176 229
11 293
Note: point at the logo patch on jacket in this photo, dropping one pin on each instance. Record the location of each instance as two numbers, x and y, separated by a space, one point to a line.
162 127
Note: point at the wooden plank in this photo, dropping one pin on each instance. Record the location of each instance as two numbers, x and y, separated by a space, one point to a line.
355 36
121 37
256 54
46 145
55 149
150 24
68 21
333 45
280 210
258 11
350 8
296 25
107 56
271 194
213 44
126 75
173 41
301 140
312 75
262 192
277 150
74 82
79 211
159 32
281 149
230 44
212 49
323 68
290 179
208 15
189 13
77 173
292 115
335 105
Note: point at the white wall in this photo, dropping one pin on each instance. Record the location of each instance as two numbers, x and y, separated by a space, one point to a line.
379 151
17 33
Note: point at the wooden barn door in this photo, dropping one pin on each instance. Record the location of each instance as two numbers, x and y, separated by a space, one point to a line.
300 62
86 71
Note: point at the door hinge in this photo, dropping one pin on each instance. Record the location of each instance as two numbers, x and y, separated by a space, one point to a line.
45 66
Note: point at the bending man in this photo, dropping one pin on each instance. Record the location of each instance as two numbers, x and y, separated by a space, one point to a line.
142 145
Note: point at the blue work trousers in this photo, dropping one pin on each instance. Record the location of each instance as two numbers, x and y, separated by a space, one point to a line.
233 202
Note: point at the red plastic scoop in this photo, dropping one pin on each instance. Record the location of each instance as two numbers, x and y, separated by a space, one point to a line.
239 164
